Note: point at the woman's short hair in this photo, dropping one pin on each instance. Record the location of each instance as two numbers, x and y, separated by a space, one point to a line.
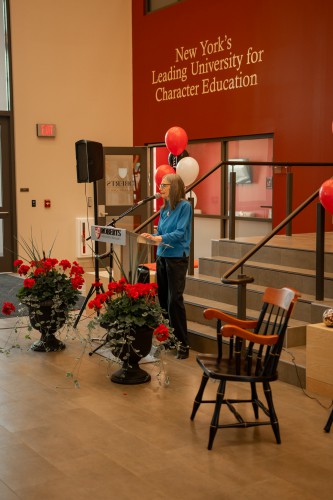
177 189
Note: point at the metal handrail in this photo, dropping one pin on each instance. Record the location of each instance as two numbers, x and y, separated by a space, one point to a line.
242 280
263 241
222 163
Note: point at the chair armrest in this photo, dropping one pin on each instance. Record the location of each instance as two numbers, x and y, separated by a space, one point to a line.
227 318
230 331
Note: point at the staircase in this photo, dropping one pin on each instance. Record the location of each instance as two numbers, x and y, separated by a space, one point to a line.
282 263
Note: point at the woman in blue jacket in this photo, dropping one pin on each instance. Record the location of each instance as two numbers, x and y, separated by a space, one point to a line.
174 236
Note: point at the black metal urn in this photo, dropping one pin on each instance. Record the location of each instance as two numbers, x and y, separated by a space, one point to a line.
131 353
47 321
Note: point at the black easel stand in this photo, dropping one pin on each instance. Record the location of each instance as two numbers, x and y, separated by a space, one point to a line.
104 340
97 289
327 427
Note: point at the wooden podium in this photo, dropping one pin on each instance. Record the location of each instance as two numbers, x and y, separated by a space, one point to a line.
132 250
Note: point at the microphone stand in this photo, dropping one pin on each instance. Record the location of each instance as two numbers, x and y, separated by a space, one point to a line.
128 211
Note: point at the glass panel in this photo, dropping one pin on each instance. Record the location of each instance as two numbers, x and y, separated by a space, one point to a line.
122 179
207 195
1 238
128 222
1 196
4 69
153 5
253 182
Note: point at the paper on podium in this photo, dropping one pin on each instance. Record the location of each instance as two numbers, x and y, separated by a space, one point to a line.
147 241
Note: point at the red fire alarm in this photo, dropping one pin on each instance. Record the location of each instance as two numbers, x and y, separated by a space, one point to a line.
47 203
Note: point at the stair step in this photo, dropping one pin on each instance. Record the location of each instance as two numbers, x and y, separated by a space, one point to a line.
203 304
211 288
274 253
292 369
261 265
265 274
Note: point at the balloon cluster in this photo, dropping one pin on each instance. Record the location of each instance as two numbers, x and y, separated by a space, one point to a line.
179 160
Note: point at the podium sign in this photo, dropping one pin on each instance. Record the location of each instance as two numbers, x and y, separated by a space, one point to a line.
118 236
131 249
108 234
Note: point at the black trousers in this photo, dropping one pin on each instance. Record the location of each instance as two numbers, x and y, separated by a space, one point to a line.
171 276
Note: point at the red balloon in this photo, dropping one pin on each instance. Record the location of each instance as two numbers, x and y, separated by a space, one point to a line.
159 203
176 140
326 195
161 172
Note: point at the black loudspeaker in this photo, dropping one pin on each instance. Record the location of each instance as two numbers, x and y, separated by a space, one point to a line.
89 161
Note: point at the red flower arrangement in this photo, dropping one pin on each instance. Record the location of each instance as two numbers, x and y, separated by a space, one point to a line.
124 307
47 281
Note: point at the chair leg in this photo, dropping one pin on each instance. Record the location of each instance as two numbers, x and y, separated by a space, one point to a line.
254 397
216 415
327 427
198 397
272 414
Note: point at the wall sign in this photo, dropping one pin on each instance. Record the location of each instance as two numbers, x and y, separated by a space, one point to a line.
46 130
208 67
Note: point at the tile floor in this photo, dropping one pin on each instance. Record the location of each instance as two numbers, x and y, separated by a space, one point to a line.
108 441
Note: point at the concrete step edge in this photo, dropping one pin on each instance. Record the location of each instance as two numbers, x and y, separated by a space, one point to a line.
253 288
269 266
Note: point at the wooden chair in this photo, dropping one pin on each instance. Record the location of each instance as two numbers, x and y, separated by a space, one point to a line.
253 358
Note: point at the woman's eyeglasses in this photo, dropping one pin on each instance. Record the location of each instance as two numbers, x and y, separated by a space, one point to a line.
162 186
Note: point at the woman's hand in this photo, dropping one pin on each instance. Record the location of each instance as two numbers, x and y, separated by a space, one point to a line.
152 237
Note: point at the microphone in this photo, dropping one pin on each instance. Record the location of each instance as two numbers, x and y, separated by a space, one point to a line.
155 196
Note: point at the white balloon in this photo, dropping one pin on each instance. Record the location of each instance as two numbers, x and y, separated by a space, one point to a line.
191 194
188 169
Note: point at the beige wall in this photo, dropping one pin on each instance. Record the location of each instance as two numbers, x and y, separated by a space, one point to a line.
72 66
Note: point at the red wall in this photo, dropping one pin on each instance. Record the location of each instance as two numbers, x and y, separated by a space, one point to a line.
292 98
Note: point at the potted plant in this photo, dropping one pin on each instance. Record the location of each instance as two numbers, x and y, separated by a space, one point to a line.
50 290
133 318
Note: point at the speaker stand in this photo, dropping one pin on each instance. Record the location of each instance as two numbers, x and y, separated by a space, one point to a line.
99 288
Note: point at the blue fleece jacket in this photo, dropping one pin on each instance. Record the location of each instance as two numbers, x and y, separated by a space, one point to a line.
175 228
